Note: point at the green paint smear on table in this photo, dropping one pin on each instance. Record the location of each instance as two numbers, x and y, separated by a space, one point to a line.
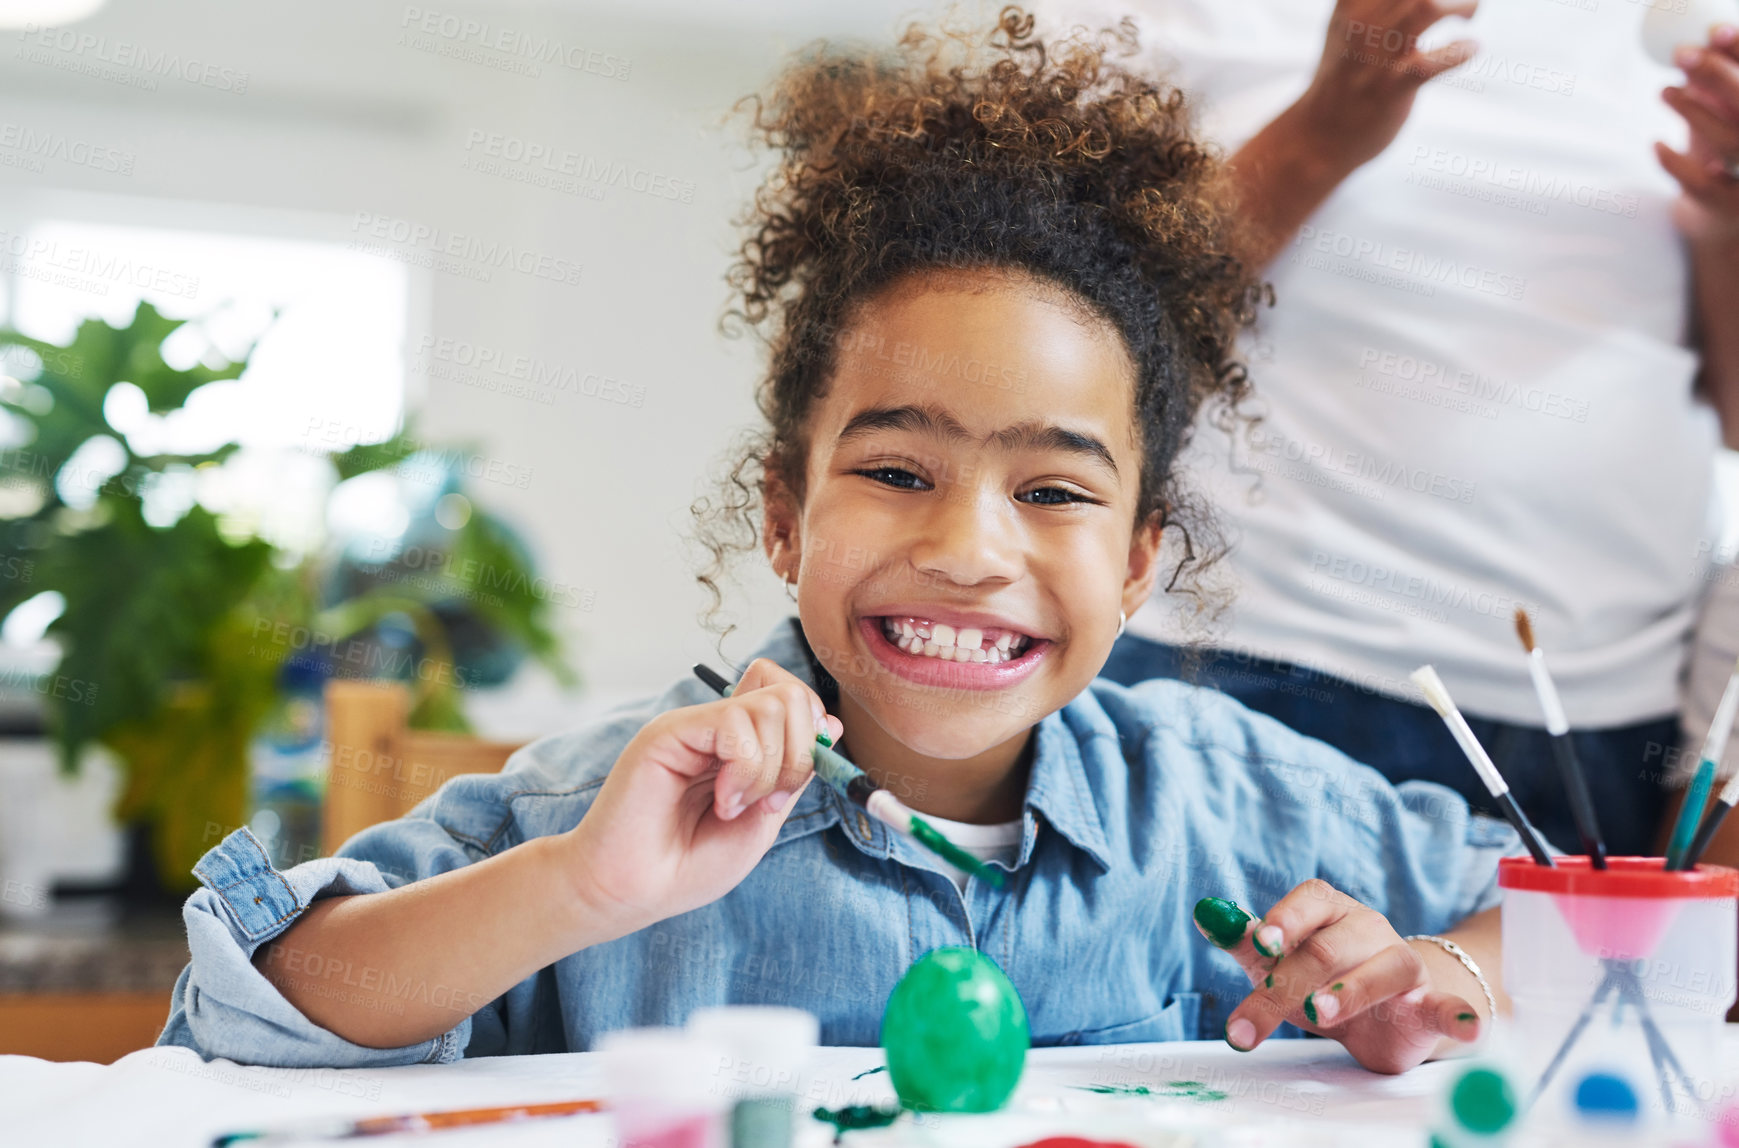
856 1116
1222 920
1171 1090
871 1071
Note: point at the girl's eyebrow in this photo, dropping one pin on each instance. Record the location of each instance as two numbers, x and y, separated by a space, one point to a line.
939 424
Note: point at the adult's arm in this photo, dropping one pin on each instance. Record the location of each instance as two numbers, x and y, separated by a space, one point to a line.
1371 68
1708 212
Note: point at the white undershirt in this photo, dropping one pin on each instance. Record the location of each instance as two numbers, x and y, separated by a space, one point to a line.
1474 385
999 842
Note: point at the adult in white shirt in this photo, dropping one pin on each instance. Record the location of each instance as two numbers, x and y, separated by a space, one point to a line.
1506 320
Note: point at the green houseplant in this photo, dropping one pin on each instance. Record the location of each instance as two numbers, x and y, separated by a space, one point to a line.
167 628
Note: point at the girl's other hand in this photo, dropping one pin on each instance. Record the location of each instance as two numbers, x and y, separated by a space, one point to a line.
696 799
1336 967
1708 169
1371 69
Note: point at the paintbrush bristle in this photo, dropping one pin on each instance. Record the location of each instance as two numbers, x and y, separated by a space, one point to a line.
1524 630
1425 677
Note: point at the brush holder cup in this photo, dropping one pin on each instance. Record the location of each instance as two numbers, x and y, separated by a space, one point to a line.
1620 980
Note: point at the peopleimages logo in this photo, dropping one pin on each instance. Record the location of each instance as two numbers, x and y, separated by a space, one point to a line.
87 48
486 366
41 145
97 267
1476 386
464 253
555 159
528 47
1527 182
1421 266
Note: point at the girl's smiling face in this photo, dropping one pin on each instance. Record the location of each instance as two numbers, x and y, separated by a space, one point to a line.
972 477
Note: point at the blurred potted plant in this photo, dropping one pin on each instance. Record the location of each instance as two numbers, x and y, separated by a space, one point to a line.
161 632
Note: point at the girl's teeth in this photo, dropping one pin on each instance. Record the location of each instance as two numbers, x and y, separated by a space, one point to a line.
945 643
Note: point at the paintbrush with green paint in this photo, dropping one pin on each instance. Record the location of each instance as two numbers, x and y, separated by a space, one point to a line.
855 786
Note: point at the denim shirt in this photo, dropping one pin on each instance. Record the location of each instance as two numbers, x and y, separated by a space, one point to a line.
1141 800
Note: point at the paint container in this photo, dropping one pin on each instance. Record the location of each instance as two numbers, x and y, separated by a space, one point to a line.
662 1092
1479 1107
1625 972
762 1069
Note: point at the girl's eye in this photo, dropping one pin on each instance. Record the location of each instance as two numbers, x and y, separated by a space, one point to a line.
1055 496
893 476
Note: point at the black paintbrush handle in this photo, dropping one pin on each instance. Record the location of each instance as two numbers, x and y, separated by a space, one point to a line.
1706 833
1581 804
1530 836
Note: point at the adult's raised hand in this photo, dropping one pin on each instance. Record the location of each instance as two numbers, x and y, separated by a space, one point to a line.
1371 69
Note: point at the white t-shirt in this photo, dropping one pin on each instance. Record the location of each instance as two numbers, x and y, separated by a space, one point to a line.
1474 388
999 842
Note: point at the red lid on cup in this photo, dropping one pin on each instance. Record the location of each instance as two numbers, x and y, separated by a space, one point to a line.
1622 877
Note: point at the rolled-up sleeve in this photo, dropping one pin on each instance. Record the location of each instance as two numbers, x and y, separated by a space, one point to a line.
223 1006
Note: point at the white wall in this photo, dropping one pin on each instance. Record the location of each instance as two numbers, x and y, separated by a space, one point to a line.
339 117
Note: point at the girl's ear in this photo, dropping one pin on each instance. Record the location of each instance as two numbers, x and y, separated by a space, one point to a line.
779 527
1143 563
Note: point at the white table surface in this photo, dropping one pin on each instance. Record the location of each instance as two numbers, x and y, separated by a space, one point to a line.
1293 1092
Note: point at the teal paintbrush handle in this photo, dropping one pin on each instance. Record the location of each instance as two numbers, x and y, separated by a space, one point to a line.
831 766
834 769
1685 829
855 785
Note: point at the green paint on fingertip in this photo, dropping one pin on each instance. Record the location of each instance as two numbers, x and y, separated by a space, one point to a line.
1483 1101
1222 920
1465 1016
824 740
931 838
1268 981
1338 986
1256 943
1310 1007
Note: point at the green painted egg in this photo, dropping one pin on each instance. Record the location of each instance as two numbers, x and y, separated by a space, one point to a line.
955 1033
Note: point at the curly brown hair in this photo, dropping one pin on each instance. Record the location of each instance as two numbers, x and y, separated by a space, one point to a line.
962 150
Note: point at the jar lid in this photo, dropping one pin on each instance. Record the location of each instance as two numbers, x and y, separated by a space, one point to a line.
1622 877
664 1066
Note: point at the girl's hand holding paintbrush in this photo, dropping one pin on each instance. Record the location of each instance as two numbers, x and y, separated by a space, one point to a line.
697 798
690 806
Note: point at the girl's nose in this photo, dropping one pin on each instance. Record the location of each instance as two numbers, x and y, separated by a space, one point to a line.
971 535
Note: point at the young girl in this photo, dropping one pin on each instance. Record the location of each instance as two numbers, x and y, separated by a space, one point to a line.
997 295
